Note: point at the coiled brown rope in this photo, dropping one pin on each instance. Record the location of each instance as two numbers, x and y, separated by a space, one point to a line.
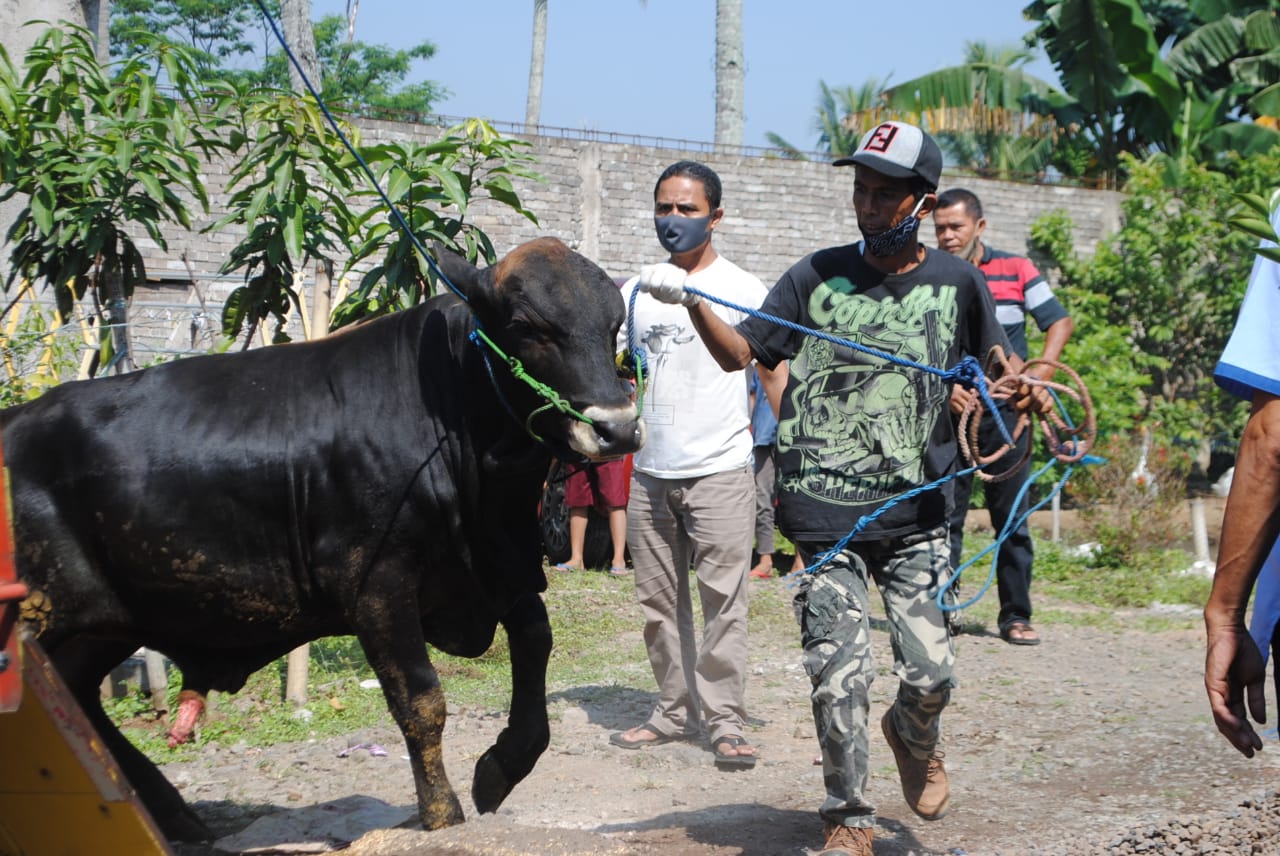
1037 399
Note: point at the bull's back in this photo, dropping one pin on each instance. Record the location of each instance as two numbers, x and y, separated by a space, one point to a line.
246 490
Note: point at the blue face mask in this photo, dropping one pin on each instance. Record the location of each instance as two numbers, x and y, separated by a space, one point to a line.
891 241
681 234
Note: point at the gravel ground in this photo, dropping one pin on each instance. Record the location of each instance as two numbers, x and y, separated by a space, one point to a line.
1098 741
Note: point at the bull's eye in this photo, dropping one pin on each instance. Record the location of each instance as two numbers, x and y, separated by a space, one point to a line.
528 332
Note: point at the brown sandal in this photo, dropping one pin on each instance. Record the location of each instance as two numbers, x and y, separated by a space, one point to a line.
1020 633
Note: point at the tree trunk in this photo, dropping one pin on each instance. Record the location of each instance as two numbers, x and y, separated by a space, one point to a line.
295 17
110 285
96 15
353 9
730 74
537 58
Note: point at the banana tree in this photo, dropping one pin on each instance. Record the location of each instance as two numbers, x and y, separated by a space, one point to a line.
1195 101
1230 66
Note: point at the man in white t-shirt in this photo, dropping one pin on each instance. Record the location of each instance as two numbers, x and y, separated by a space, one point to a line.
692 489
1249 552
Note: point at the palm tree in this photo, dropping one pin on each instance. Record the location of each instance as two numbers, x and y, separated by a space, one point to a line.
537 59
730 74
842 116
981 111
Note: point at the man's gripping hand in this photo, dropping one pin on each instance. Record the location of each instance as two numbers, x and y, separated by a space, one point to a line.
666 283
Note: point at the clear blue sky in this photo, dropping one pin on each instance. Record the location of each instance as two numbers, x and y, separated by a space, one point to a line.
649 69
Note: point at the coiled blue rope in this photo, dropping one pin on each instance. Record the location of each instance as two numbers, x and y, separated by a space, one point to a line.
967 372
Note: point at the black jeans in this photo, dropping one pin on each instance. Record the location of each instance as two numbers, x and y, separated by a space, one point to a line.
1013 568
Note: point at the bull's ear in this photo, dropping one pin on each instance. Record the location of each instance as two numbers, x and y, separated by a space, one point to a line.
464 276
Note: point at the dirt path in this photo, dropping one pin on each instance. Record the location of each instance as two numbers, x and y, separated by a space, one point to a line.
1094 732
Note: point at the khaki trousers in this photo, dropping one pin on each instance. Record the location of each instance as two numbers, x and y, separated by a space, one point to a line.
671 524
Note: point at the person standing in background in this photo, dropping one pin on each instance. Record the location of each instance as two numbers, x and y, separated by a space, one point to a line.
591 485
692 491
764 430
1018 289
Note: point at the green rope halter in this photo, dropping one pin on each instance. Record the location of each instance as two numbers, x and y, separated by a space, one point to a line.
554 400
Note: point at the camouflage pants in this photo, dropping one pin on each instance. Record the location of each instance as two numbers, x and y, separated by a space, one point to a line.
835 629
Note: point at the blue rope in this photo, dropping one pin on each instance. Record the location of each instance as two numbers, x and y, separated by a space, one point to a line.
1011 525
967 372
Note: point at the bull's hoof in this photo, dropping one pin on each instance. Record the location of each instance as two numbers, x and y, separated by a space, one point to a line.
184 826
490 785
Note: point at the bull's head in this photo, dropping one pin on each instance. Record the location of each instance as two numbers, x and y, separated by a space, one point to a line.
558 314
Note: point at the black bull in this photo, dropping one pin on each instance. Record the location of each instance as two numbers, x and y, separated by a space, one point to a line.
226 509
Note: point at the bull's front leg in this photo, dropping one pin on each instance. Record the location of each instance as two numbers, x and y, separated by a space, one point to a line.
527 734
397 652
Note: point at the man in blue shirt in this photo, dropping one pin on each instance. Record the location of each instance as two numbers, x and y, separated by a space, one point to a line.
764 430
1235 663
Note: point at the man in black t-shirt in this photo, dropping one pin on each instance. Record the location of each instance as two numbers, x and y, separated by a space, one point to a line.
857 431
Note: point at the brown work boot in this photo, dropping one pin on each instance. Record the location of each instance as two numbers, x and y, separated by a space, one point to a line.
924 780
847 841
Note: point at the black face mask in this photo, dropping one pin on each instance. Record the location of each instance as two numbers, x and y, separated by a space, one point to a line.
681 234
892 240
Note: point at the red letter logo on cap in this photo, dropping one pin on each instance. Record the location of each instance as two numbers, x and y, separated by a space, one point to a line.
882 138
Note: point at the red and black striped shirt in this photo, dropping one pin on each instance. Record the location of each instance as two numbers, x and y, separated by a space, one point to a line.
1018 289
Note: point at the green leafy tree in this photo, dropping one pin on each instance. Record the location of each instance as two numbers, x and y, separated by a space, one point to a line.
434 187
1155 304
218 33
1187 80
94 159
359 78
289 188
981 110
1184 79
232 41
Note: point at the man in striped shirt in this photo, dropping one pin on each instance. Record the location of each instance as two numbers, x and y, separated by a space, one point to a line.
1018 289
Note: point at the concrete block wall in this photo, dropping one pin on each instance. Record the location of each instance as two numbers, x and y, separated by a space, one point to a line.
597 198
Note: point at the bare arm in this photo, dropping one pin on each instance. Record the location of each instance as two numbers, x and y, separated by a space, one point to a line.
1055 339
774 383
1233 672
726 344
